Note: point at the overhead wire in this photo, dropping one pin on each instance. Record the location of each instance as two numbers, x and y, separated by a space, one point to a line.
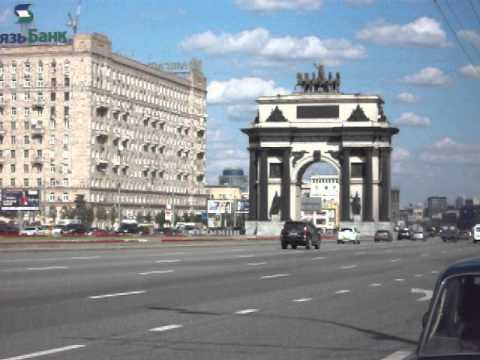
460 23
474 10
447 22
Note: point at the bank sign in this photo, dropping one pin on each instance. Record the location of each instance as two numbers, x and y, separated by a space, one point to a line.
31 36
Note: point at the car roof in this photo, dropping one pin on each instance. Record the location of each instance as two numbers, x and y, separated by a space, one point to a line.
466 266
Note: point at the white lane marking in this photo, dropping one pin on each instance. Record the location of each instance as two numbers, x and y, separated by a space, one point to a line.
246 311
45 352
166 328
374 284
84 257
274 276
399 279
427 294
47 268
302 300
319 258
168 261
347 267
395 260
104 296
156 272
173 253
342 292
256 263
418 275
244 256
434 271
398 355
360 253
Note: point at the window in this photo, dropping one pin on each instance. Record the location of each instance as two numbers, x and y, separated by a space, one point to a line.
14 96
14 111
65 182
13 140
65 196
66 96
39 153
54 82
26 95
53 96
26 139
52 182
25 168
358 170
51 197
52 169
51 140
12 182
275 171
12 154
26 111
26 183
39 182
67 81
12 168
25 154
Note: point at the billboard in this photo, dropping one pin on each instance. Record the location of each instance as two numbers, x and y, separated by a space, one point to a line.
219 206
242 207
15 199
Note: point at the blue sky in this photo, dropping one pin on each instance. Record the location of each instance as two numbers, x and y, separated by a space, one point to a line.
400 49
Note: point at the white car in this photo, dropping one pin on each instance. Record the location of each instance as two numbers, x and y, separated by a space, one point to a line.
476 233
57 230
29 231
348 235
418 235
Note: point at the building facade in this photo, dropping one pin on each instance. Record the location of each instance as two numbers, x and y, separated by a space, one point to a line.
436 205
234 177
395 205
78 119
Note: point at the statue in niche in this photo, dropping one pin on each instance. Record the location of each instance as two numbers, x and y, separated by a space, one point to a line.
356 206
275 208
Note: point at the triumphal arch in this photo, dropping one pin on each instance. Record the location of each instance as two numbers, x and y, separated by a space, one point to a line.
319 123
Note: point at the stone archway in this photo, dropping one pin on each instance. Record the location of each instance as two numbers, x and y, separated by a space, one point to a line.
349 131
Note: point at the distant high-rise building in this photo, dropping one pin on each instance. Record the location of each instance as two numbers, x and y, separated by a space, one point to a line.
234 177
395 203
459 202
436 205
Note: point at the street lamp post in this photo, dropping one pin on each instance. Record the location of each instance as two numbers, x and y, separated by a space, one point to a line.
119 205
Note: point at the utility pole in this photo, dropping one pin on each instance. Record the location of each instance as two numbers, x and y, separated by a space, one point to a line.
119 205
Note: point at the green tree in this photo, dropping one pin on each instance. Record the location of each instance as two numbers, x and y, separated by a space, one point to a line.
160 218
52 212
66 212
113 215
148 217
89 216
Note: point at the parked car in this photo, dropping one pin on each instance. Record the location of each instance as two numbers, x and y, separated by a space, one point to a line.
44 230
99 232
29 231
8 230
128 228
348 234
74 229
404 233
476 233
383 235
169 232
301 233
450 233
58 230
419 235
451 326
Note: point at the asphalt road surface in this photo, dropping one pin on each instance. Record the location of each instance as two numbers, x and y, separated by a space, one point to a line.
252 301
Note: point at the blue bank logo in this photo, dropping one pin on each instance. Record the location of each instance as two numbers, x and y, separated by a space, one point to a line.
23 14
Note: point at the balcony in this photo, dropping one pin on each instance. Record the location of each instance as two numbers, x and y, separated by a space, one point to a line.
38 161
38 130
102 160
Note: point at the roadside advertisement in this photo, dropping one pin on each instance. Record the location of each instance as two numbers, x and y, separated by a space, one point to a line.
219 206
23 200
242 207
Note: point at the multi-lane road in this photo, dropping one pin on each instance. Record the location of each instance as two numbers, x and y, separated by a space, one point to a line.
236 301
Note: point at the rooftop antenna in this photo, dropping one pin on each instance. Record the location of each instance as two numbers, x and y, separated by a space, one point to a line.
74 20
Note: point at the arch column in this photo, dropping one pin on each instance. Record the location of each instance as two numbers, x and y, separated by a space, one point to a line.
263 185
345 185
286 185
385 155
252 179
368 194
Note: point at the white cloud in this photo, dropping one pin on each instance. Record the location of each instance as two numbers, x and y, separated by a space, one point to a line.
471 70
259 42
275 5
360 2
241 112
413 120
429 76
447 150
470 36
407 97
241 90
400 154
423 32
4 15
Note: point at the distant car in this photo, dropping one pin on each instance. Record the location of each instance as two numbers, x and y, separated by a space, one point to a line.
29 231
99 232
476 233
74 229
451 326
348 234
301 233
169 232
8 230
418 235
383 235
404 233
44 231
128 229
58 230
450 233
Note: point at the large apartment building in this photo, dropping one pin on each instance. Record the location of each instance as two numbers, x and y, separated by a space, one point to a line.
77 118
